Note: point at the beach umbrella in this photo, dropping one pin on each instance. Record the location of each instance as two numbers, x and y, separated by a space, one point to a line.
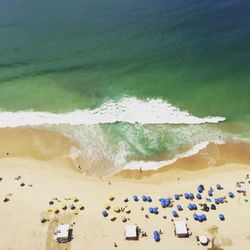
135 198
81 207
195 216
149 199
176 196
56 211
221 217
151 210
198 196
155 209
174 213
72 206
203 216
117 210
200 218
217 201
221 199
194 206
144 198
191 196
186 195
111 197
179 207
127 210
156 236
104 213
125 199
210 193
107 207
64 206
200 188
75 199
218 186
213 207
51 202
190 207
231 195
163 203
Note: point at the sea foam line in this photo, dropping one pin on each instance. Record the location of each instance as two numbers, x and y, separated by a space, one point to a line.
154 165
129 109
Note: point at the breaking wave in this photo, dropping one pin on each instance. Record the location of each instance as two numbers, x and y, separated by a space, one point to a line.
128 109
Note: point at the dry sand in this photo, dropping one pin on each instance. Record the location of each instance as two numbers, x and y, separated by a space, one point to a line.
48 177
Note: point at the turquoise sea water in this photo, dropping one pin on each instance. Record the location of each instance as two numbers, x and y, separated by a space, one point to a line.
59 56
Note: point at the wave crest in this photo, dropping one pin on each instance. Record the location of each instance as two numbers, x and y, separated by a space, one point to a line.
128 109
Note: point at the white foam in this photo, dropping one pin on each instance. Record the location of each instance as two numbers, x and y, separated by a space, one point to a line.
129 109
154 165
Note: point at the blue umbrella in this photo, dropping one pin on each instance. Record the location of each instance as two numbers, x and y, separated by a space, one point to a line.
174 213
204 217
156 236
151 210
135 198
104 213
217 201
200 188
155 209
221 217
190 207
186 195
144 198
149 199
163 203
176 196
191 196
231 195
200 218
210 193
221 199
195 216
194 206
198 196
179 207
218 186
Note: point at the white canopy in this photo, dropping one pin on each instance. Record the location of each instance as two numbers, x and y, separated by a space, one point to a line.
62 231
131 232
181 228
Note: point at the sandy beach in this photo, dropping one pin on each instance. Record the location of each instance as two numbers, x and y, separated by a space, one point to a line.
30 183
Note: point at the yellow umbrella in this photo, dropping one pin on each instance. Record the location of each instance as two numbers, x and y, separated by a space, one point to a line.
64 206
107 207
81 207
75 199
111 197
117 210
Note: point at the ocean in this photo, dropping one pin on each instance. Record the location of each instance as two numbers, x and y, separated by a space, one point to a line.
133 83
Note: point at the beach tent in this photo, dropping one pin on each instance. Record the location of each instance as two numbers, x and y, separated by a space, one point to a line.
221 217
131 232
135 198
149 199
104 213
156 236
144 198
198 196
63 233
203 240
179 207
181 229
174 213
176 196
231 195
